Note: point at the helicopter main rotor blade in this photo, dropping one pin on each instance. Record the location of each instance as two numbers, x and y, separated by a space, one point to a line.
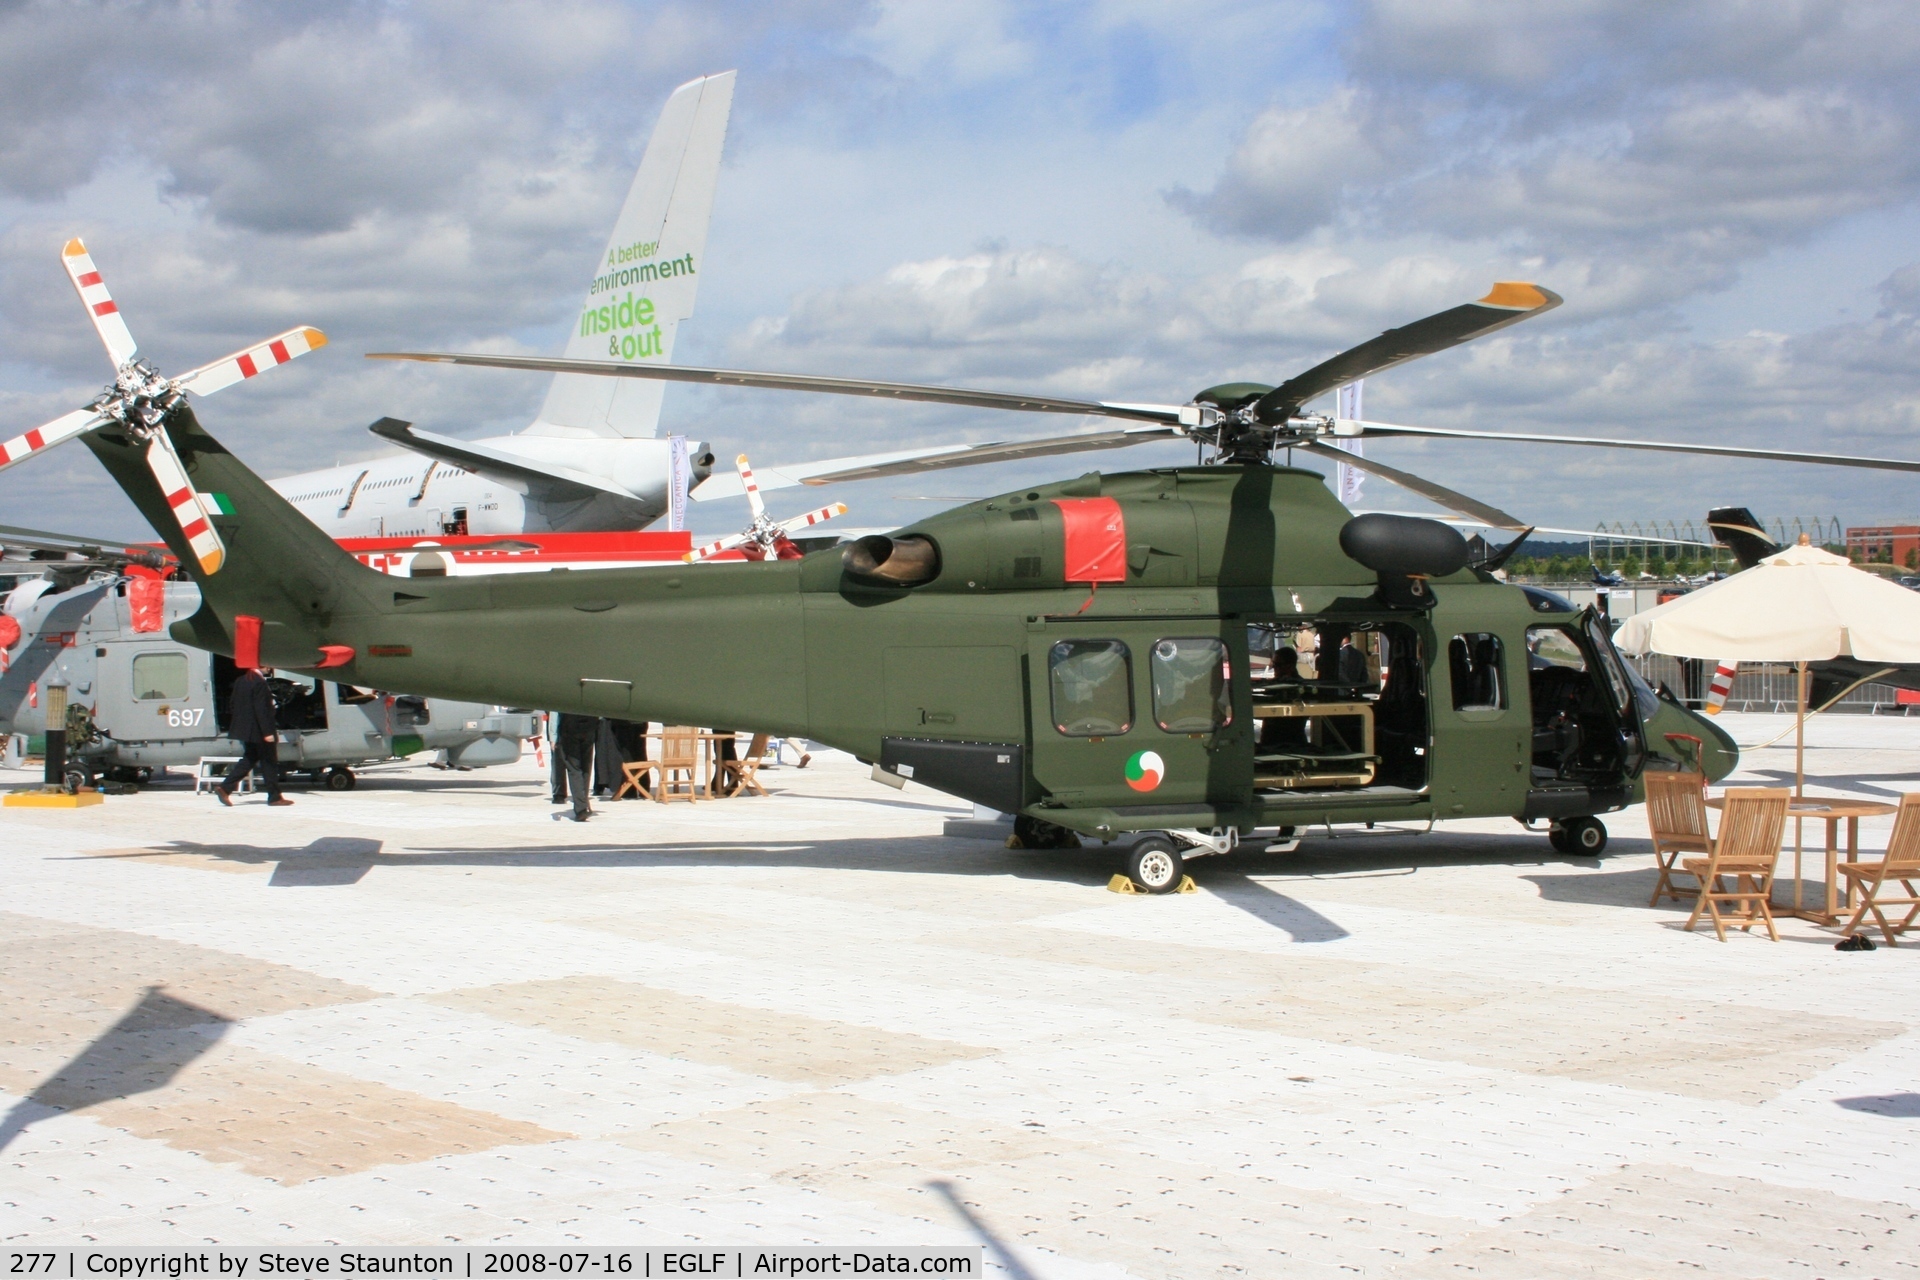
1509 302
933 458
1170 414
1493 516
1656 446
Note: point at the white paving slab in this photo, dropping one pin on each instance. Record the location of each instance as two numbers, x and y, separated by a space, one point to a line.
1336 1062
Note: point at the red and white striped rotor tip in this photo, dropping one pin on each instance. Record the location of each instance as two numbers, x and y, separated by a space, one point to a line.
751 487
189 507
242 365
64 427
100 306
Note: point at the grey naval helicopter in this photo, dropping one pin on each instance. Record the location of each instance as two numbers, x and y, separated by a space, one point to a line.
139 701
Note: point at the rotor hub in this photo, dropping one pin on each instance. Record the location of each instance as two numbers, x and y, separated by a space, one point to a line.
138 398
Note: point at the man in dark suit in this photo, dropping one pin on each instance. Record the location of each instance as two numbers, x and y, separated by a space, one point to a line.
252 725
1352 665
574 745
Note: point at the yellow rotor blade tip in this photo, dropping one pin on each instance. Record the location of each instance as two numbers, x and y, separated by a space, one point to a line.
315 338
74 248
1518 294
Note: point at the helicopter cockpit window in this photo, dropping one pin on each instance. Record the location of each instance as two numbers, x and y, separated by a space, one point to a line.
1474 663
158 676
1092 688
1552 647
1190 685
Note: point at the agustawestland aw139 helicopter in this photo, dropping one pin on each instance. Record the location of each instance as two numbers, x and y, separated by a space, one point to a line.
1183 656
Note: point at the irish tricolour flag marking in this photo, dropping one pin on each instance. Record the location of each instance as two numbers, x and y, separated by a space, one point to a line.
1145 769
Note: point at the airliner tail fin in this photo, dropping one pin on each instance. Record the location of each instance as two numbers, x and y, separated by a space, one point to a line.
644 284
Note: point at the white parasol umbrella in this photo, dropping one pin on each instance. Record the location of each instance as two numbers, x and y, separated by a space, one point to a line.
1801 605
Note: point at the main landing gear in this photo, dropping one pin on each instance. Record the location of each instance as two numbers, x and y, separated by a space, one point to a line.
1155 864
1584 836
338 778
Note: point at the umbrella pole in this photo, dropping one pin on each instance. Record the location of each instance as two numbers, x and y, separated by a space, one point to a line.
1799 771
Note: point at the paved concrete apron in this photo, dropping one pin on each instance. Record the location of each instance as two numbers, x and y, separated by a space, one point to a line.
427 1011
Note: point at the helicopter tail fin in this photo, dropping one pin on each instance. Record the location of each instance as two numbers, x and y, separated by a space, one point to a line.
280 567
1736 529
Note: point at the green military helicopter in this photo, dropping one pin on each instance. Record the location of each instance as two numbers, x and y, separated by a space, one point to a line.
1180 658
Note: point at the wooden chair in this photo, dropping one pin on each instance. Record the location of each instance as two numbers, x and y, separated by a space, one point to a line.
1677 816
1901 863
1746 850
741 775
679 765
636 773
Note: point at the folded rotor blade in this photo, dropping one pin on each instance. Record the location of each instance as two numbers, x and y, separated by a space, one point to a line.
106 551
64 427
933 458
1509 302
242 365
106 318
1170 414
727 543
1494 516
1657 446
188 507
745 471
825 513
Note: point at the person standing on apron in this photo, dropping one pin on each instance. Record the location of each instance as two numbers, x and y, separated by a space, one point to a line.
574 745
253 726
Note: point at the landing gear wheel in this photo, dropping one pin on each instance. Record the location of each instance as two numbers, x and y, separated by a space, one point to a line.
1155 864
1586 837
76 779
339 778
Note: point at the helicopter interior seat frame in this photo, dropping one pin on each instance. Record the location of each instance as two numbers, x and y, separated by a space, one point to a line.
1373 734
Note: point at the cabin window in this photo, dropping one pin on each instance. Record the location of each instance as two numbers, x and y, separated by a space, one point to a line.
1092 688
1479 682
159 676
1190 685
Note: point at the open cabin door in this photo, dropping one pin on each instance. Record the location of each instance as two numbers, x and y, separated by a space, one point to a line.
1633 737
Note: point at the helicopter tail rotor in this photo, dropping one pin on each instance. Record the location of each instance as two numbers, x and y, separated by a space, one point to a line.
140 398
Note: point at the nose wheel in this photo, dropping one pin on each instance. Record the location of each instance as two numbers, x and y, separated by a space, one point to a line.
339 778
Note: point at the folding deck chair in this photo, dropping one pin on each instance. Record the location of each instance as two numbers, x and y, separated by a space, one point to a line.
1746 850
1901 864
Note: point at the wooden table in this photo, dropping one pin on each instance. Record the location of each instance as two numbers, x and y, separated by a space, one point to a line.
1830 812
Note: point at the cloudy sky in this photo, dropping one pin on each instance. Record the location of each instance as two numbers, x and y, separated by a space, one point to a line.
1120 199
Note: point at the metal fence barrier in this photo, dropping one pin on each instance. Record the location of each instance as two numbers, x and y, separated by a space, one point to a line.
1761 686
